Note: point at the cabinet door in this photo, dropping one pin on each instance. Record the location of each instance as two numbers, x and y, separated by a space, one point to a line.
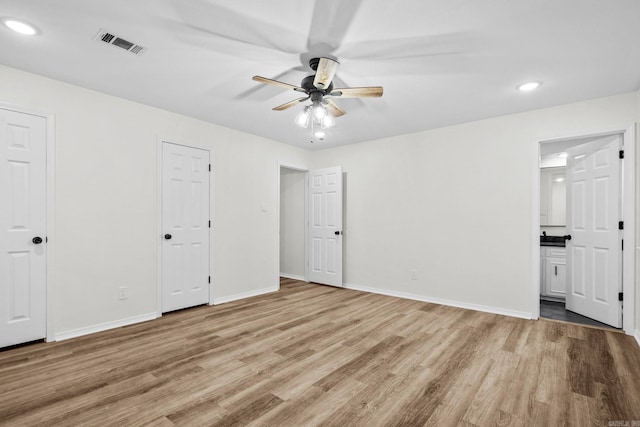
543 279
555 277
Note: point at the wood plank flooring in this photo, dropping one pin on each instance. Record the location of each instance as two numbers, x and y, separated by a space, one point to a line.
316 355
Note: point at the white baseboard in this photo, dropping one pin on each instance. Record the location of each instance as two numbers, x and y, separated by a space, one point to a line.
293 276
637 336
222 300
74 333
476 307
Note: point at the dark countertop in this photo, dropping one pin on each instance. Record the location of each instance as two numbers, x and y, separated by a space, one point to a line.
557 241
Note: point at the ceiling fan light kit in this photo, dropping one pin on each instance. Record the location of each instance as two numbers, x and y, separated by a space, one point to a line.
327 122
321 112
303 118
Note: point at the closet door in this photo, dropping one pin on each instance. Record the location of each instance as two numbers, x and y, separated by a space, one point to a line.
23 254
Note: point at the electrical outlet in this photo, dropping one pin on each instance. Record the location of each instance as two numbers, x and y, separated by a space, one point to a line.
414 274
122 292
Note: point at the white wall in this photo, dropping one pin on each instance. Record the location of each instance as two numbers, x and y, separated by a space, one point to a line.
292 215
106 207
455 204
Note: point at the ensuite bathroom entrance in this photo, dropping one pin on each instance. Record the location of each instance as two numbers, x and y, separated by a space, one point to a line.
580 230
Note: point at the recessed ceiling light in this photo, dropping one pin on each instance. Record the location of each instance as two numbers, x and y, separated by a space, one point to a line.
526 87
20 27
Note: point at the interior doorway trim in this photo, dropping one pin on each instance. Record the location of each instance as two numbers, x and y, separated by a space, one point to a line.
159 231
50 214
628 216
299 168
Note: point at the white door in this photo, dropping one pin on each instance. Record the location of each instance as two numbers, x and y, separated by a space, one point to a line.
325 226
593 211
22 227
185 226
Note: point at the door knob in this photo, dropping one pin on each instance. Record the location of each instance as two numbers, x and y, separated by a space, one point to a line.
337 233
167 236
567 237
37 240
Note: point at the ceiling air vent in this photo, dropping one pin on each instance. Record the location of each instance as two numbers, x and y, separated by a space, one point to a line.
107 37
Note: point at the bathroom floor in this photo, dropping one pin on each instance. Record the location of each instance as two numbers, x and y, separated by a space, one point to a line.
557 311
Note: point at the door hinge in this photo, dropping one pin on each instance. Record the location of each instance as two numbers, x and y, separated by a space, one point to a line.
620 296
209 279
620 225
209 223
46 239
621 154
209 167
622 245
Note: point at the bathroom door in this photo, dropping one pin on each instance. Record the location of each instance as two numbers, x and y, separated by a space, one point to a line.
593 211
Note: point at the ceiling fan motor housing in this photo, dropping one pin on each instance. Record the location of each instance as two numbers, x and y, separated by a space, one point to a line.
309 88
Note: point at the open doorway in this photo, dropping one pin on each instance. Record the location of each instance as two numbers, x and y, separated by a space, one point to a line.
585 194
310 240
292 223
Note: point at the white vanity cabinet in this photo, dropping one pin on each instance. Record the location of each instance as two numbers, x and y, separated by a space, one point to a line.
553 275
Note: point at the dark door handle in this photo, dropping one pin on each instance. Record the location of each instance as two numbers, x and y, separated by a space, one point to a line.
167 236
337 233
37 240
567 237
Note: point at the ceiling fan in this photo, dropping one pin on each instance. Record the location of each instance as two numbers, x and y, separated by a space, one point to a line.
317 87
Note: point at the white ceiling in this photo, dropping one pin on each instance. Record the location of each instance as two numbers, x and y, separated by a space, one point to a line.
441 62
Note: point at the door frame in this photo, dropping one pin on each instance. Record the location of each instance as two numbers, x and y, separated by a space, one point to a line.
298 168
628 216
50 247
159 231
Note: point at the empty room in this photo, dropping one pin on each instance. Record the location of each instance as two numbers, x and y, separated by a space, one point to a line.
323 212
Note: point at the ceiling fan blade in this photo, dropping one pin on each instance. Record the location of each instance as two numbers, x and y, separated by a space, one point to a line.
218 24
330 22
333 109
277 83
324 74
290 104
358 92
264 92
415 46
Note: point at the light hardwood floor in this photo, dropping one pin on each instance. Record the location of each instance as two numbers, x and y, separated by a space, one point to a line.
317 355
